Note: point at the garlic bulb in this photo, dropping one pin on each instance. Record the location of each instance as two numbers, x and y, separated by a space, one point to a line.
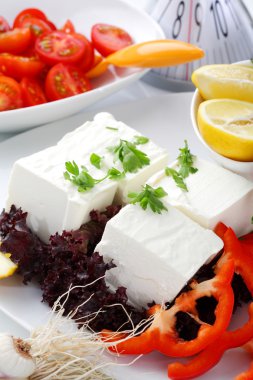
15 357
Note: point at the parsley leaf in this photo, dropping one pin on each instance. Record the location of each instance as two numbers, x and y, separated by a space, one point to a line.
95 160
149 197
186 161
79 178
112 129
132 158
115 174
140 140
252 220
177 178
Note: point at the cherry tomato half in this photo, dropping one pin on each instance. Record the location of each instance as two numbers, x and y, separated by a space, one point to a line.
68 27
37 26
15 41
63 81
32 91
108 39
31 12
18 67
4 26
58 46
10 94
88 59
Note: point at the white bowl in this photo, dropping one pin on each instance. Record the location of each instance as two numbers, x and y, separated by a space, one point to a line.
84 14
243 168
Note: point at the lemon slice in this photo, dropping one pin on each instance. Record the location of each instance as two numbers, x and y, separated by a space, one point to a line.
224 81
7 267
227 127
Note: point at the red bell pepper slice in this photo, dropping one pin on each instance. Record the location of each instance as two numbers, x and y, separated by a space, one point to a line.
211 355
241 252
162 336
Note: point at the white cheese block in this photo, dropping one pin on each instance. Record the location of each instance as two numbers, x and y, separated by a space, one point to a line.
155 254
214 195
53 204
103 132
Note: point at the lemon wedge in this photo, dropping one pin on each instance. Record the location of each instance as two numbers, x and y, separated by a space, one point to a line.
224 81
7 267
227 127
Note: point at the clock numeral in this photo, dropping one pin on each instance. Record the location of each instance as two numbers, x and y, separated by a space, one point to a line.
219 19
197 17
177 25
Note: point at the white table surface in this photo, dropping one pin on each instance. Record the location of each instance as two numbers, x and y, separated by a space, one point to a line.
134 91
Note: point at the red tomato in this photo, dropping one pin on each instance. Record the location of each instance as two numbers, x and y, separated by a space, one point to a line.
88 60
68 27
36 26
32 91
31 12
4 26
18 67
108 39
10 94
63 81
58 47
15 41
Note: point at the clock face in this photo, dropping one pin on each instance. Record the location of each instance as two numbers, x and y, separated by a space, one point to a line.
222 28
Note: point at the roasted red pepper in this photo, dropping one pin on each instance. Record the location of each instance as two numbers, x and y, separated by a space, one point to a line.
162 335
211 355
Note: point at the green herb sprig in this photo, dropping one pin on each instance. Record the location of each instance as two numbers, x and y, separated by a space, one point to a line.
185 162
149 197
83 180
79 177
132 158
176 177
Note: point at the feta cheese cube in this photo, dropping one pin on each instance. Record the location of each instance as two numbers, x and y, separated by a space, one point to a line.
103 132
214 195
155 254
53 204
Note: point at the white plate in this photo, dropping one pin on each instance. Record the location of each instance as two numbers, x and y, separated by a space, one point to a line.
84 14
162 119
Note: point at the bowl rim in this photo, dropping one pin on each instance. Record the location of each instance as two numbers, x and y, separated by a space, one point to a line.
195 102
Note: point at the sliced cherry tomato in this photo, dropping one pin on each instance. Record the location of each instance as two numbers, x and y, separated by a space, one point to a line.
10 94
36 26
32 91
68 27
108 39
29 12
15 41
18 67
63 81
88 60
4 26
58 47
